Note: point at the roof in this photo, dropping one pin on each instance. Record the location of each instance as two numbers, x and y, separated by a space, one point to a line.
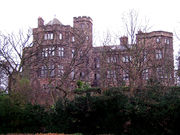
54 21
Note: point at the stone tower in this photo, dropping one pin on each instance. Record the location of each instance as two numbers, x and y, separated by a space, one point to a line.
84 23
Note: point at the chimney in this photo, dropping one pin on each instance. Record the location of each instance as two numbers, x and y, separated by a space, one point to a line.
140 32
40 22
124 40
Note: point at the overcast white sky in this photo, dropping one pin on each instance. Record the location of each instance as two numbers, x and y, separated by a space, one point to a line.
106 14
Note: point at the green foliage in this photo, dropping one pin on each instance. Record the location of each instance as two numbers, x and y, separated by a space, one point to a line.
9 115
22 91
84 88
24 82
151 112
17 119
79 84
153 82
87 90
3 92
82 85
115 90
34 116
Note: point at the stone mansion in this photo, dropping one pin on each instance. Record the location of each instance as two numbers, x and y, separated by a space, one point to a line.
63 54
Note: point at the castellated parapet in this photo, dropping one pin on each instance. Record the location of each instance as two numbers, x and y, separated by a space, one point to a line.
154 34
82 19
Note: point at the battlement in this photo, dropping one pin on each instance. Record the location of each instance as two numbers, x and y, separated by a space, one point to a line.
161 33
154 34
82 18
124 40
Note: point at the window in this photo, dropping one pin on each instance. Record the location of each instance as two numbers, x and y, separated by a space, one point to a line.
43 71
97 63
158 54
125 75
60 36
167 41
145 56
111 59
81 54
45 36
108 60
73 39
72 74
73 53
159 69
96 76
51 70
48 36
47 70
108 74
160 72
126 58
60 70
82 75
145 74
158 39
111 74
43 52
87 38
51 51
61 51
48 52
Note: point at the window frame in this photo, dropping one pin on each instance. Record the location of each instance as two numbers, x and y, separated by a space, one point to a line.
61 51
60 70
158 39
126 59
60 36
145 74
125 76
159 54
48 36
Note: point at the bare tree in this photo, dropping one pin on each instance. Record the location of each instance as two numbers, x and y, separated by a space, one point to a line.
11 54
141 58
59 63
78 66
128 58
138 52
136 60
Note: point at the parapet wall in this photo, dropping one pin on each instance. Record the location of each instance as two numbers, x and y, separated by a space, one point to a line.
154 34
82 19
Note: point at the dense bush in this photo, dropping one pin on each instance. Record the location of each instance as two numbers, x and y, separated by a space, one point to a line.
16 118
151 111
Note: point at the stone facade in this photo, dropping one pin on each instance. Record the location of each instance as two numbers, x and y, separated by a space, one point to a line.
62 54
150 60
